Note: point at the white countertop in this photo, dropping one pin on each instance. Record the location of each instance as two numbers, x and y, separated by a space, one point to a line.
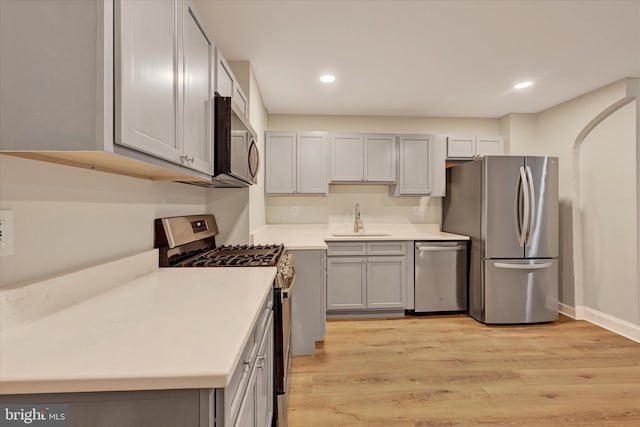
315 236
173 328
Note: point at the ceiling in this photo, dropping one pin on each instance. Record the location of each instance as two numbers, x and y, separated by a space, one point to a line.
427 58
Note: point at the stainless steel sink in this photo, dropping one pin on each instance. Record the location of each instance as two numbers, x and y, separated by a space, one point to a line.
360 234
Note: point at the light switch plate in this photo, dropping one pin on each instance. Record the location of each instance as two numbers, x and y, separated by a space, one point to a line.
6 233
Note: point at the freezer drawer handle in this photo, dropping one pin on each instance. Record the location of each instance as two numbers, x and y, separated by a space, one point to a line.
523 266
440 248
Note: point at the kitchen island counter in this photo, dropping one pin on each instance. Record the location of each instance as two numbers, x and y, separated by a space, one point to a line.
171 328
315 236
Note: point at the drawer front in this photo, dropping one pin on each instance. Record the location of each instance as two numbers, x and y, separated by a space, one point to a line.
235 390
263 318
241 375
347 248
386 248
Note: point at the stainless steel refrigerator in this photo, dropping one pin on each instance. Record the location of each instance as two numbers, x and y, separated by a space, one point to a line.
508 205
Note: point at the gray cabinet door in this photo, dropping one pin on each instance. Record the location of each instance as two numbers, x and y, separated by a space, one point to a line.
386 281
264 378
196 127
346 283
414 176
247 413
380 158
280 163
308 310
224 76
347 157
489 146
460 147
312 163
147 77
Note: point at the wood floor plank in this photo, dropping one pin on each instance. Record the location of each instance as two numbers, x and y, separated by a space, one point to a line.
452 370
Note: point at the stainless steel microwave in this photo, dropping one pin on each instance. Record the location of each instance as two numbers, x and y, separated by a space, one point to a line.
236 157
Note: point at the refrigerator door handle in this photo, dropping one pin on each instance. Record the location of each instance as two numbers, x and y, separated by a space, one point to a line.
524 224
532 205
522 266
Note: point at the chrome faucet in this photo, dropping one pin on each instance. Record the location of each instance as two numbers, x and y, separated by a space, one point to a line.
357 225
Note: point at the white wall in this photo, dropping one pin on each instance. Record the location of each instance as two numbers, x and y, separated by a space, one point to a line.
257 115
258 118
375 202
68 218
519 131
608 216
376 206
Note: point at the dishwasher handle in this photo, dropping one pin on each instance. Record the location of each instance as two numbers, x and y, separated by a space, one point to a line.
439 248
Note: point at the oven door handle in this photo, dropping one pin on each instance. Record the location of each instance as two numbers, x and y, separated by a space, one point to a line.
286 291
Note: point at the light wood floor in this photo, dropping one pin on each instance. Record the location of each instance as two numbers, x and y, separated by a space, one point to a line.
452 370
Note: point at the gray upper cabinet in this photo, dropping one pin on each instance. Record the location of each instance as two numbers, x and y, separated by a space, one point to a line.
363 158
489 146
280 163
467 147
197 117
296 163
132 89
224 76
347 157
380 158
311 163
147 84
227 85
163 87
414 165
421 166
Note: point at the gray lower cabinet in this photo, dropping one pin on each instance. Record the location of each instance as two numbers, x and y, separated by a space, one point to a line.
346 283
366 276
246 401
120 86
308 311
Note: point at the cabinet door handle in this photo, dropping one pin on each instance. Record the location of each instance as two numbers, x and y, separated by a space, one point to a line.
260 362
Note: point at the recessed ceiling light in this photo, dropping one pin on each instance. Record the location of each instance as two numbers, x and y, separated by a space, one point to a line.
327 78
523 85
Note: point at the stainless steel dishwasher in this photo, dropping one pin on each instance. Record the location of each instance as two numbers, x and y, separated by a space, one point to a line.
440 276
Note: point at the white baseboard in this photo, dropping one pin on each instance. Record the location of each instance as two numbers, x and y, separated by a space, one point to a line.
567 310
619 326
606 321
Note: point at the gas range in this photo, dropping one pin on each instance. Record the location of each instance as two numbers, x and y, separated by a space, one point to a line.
238 256
189 241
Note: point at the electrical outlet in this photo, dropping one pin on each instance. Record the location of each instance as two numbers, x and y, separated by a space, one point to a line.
416 210
6 233
294 211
